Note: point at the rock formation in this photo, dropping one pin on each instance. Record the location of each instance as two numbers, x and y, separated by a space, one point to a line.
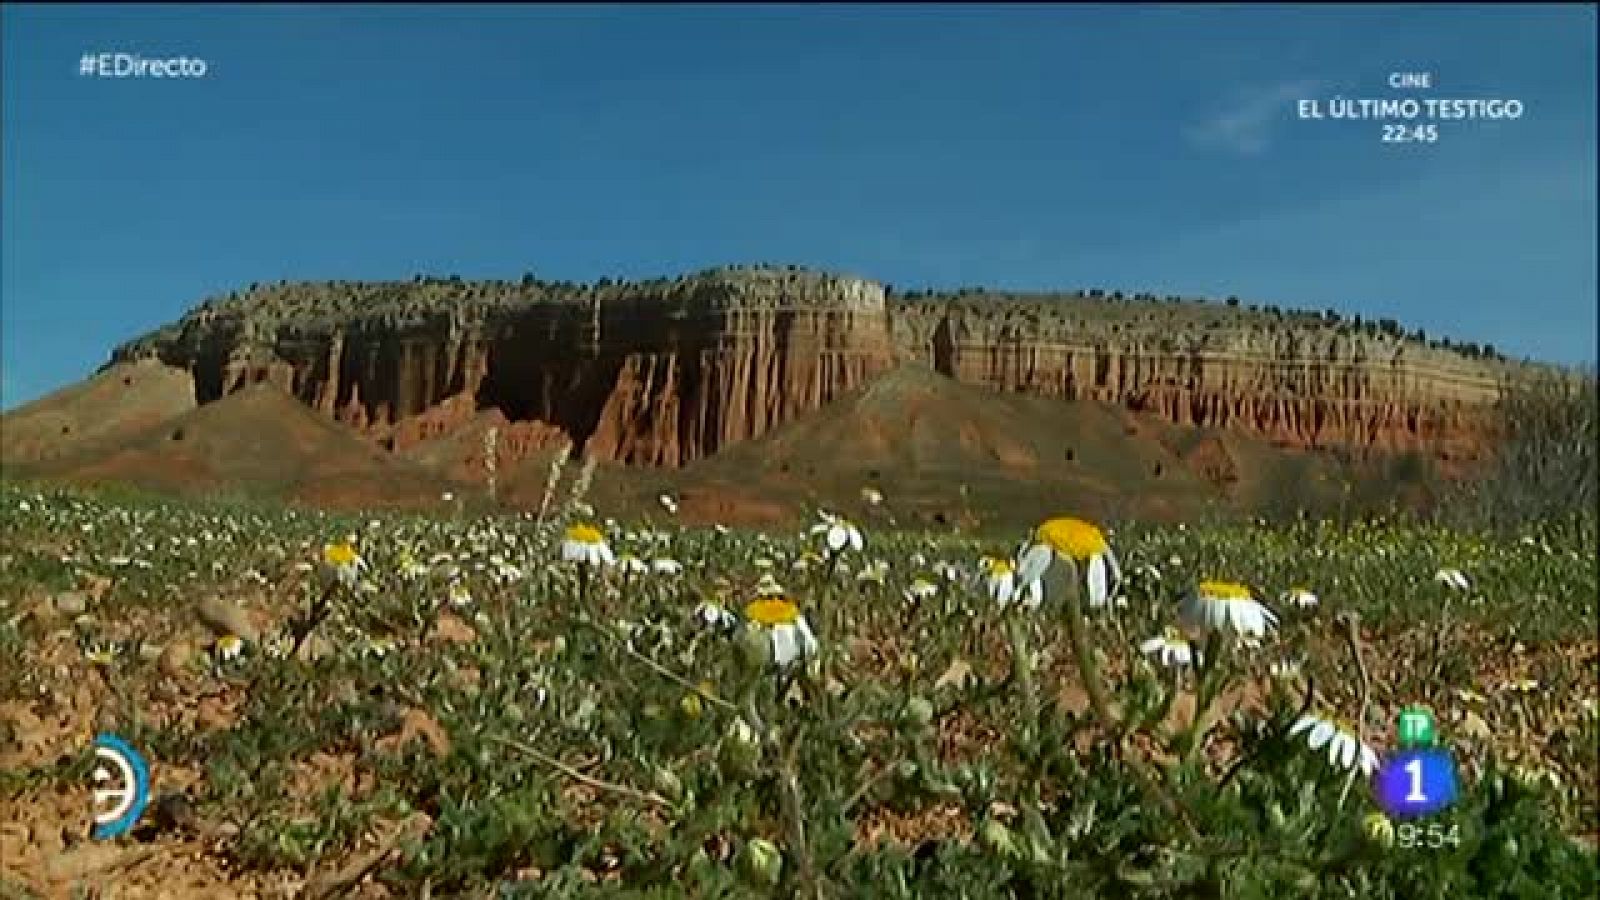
1296 385
665 372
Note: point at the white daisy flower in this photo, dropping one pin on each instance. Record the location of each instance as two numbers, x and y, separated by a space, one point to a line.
768 586
666 566
740 732
714 617
872 496
1345 751
1081 542
632 565
669 504
838 533
784 627
459 595
921 589
1000 581
1452 578
1227 607
229 647
586 545
1285 669
1299 596
101 655
1170 648
378 647
341 562
875 572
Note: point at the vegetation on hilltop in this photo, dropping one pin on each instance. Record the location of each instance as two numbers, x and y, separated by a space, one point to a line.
316 304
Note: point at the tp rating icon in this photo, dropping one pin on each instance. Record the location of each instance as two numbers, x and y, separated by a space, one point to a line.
1415 728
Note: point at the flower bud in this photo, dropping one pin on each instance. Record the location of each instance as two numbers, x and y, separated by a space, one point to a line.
1275 816
997 837
668 783
919 713
761 861
740 749
1378 829
755 647
691 705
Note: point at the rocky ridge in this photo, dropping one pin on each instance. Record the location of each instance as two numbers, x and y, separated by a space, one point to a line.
665 372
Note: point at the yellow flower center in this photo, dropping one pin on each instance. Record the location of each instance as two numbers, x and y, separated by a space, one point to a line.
1175 638
1343 725
1377 824
229 643
1224 590
772 611
584 534
1073 538
340 554
999 567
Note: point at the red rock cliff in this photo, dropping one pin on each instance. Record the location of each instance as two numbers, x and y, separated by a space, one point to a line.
664 372
658 373
1295 384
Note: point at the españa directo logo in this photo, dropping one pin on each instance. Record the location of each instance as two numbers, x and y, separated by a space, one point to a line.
125 793
1415 111
119 64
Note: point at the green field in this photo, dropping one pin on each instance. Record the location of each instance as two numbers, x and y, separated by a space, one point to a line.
551 731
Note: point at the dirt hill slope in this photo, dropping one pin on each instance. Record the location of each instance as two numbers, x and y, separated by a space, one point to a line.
124 400
258 442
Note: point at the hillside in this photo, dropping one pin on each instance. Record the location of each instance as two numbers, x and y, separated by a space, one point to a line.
665 372
121 401
753 392
258 442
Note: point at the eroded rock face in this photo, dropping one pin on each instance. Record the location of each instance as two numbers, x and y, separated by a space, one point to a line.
665 372
1296 385
658 373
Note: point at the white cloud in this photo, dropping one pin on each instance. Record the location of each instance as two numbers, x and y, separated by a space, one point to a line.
1244 126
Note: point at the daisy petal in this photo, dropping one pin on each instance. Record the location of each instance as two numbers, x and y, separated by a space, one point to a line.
1035 561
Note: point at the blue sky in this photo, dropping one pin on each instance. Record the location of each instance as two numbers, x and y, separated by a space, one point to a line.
1030 147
